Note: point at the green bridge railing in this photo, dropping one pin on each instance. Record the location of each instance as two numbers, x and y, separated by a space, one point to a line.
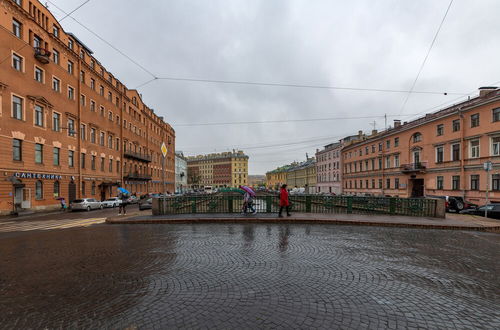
267 203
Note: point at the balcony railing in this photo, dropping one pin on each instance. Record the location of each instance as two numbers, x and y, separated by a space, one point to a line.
137 156
43 55
413 168
137 176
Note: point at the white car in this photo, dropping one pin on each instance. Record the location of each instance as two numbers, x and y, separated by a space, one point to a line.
111 202
86 204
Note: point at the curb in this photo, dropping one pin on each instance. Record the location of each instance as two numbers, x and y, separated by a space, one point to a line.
493 229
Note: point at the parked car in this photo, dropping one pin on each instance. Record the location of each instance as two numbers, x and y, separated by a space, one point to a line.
455 203
85 204
111 202
146 203
493 210
133 199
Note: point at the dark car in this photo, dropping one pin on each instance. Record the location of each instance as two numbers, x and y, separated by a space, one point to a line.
493 210
455 203
145 203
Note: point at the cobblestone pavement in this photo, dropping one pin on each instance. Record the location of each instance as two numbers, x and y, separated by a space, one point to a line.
246 276
9 226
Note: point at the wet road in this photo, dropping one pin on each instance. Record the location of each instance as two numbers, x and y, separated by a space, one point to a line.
248 276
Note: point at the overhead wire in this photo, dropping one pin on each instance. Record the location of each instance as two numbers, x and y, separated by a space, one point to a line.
71 12
426 57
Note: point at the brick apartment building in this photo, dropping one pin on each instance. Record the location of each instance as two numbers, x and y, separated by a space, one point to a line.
440 154
220 170
69 128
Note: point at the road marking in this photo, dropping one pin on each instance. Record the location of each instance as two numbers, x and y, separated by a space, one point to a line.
50 224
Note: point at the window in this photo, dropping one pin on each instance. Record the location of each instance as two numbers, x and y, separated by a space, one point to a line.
474 149
456 125
38 115
92 162
388 183
396 183
92 135
110 141
57 153
380 147
396 160
56 122
474 182
83 132
101 90
71 127
380 183
70 44
440 183
495 146
38 153
92 64
455 182
102 164
117 144
388 162
474 120
439 154
82 100
70 67
71 93
17 149
417 137
38 189
388 144
55 31
82 77
455 151
17 107
17 62
380 163
57 189
92 188
495 182
37 42
396 142
373 146
102 111
101 138
56 84
92 84
110 97
440 129
71 158
55 56
82 157
111 165
16 28
110 116
118 166
496 114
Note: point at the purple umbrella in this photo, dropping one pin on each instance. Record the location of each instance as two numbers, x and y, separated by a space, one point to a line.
248 190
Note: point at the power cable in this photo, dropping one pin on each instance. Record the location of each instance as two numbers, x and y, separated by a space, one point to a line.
256 83
426 56
71 12
107 42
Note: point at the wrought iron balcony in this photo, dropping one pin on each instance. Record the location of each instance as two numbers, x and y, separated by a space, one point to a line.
137 156
43 55
413 168
137 176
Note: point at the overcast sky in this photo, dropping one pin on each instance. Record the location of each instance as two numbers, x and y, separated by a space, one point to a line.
359 43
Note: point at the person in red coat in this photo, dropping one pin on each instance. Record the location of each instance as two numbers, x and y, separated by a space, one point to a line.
284 202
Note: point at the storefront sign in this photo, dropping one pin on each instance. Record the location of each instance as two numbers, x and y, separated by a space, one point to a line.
28 175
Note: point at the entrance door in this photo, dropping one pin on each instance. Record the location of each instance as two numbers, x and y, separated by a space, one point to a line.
26 203
71 191
416 157
417 188
103 193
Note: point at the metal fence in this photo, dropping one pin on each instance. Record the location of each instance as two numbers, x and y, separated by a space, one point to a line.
266 203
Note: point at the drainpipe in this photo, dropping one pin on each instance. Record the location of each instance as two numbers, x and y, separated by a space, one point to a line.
78 124
463 152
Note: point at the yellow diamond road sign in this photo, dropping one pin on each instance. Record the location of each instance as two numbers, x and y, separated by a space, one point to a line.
164 149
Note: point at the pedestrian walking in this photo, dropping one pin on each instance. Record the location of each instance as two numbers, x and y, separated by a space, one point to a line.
284 202
63 204
248 203
123 196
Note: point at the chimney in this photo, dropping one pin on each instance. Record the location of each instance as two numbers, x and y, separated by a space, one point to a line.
374 132
483 91
397 123
360 133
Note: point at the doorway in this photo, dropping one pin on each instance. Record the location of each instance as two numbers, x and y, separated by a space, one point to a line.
71 191
417 189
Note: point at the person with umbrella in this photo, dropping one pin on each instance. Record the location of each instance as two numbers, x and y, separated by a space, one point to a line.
284 202
123 195
248 199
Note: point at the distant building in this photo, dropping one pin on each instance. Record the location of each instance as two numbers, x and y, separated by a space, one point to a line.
439 154
295 175
181 172
220 170
256 180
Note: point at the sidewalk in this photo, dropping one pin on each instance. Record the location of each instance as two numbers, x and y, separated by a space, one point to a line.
452 221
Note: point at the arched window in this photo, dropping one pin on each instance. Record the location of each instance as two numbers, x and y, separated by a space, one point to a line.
57 189
38 189
92 188
417 137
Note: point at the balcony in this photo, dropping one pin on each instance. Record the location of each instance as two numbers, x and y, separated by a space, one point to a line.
413 168
42 55
137 176
137 156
